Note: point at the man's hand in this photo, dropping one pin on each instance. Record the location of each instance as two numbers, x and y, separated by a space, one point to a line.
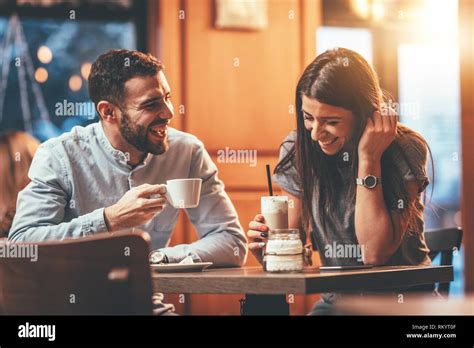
135 208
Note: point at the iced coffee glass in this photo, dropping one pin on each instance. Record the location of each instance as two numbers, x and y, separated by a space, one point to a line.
275 211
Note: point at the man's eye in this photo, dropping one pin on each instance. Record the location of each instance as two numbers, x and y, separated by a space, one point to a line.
332 123
306 118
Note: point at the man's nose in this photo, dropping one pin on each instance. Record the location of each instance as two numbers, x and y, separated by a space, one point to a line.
167 112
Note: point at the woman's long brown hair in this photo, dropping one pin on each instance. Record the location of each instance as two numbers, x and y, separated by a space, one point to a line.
343 78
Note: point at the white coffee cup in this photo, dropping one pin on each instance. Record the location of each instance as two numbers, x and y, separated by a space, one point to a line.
183 193
275 211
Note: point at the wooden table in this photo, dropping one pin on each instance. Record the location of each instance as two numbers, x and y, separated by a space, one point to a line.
266 292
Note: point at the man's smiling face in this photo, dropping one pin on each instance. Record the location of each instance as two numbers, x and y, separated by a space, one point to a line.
146 113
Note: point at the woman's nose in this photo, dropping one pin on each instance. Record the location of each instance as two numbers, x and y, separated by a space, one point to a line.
316 131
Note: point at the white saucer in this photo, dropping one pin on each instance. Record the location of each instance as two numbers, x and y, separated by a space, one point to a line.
176 267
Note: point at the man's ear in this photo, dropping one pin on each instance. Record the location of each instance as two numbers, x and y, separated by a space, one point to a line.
107 111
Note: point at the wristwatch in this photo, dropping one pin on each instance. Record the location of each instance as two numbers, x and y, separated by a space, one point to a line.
157 257
370 181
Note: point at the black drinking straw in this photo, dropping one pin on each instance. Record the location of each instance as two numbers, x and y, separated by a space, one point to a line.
269 180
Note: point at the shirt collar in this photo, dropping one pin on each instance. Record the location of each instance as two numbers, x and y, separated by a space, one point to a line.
118 155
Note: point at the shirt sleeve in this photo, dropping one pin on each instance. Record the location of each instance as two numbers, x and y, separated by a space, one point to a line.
288 179
41 205
222 240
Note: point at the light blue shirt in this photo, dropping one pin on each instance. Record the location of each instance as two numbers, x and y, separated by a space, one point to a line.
76 175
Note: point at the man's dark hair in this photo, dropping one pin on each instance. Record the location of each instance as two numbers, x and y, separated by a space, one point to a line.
112 69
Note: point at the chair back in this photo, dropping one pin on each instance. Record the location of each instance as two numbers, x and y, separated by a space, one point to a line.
104 274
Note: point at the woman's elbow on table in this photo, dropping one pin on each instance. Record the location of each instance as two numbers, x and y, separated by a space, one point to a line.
375 258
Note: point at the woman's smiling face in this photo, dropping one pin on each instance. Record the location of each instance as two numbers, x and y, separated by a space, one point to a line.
331 126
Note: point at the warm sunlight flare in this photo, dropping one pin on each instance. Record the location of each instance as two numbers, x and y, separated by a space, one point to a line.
361 8
438 18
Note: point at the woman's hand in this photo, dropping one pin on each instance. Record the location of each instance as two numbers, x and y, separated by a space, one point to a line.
379 133
307 255
257 234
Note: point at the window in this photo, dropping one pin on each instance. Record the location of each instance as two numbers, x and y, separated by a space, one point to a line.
435 101
356 39
429 86
415 53
46 57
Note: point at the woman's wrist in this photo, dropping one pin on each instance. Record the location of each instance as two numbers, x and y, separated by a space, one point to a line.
369 158
369 167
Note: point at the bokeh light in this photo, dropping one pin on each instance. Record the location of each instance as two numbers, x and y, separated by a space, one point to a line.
44 54
85 70
75 83
41 75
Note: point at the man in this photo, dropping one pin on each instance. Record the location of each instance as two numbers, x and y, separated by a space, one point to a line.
108 176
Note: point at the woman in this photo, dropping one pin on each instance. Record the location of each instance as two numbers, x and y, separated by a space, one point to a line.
354 173
16 153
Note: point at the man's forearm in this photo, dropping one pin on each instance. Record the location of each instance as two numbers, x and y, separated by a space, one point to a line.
222 248
23 230
373 224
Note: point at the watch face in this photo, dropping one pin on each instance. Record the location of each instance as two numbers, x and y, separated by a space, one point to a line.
156 257
370 181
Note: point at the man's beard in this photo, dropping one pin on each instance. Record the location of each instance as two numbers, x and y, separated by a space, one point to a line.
137 136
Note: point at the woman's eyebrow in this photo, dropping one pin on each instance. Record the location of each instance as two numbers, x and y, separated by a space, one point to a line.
322 117
330 117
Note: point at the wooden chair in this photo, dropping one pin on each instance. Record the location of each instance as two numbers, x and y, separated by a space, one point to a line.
444 241
104 274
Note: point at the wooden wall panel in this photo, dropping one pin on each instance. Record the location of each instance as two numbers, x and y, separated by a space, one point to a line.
311 18
246 105
168 47
245 176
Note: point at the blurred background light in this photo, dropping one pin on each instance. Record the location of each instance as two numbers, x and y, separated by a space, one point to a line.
41 75
44 54
75 83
